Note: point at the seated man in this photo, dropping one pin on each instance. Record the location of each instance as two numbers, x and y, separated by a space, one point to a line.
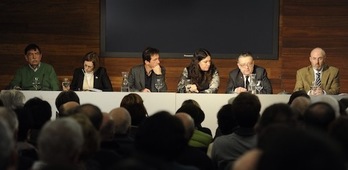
238 78
323 77
143 77
36 75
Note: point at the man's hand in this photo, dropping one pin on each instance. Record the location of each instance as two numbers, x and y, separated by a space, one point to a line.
146 90
157 70
240 90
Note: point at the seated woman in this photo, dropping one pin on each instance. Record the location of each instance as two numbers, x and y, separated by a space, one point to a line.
90 77
202 73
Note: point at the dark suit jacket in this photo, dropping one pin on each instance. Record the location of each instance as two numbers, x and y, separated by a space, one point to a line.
101 80
236 79
329 79
136 79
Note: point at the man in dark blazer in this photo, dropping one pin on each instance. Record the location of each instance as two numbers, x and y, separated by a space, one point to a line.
142 78
307 77
237 80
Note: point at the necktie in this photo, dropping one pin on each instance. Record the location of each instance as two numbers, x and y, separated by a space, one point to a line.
318 80
246 82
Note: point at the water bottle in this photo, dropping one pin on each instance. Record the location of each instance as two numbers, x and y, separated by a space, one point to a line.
125 84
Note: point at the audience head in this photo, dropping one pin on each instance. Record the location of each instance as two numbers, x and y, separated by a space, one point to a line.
122 120
90 136
67 108
296 94
343 106
279 113
150 55
162 136
338 130
317 58
135 106
319 115
66 96
188 123
12 99
60 142
195 112
226 118
288 148
90 62
93 113
25 123
190 101
245 63
7 147
33 55
329 100
107 128
10 118
39 110
247 109
299 106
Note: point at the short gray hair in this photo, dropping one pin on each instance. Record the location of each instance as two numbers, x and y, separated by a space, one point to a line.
60 141
122 120
12 99
10 117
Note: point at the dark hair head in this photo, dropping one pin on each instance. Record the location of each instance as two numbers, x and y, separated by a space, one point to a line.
319 115
66 96
227 119
245 54
93 57
39 110
298 94
31 46
148 52
93 112
195 112
161 135
200 54
135 106
279 113
247 107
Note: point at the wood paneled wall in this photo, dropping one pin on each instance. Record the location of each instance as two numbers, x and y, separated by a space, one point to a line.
66 30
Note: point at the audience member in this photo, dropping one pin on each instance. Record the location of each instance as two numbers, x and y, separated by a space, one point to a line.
319 116
338 131
122 121
43 72
143 77
40 112
299 106
228 148
333 102
67 109
60 143
65 97
296 94
161 138
191 155
12 99
239 77
343 106
92 112
248 161
202 73
190 101
279 113
226 119
8 154
319 74
289 148
135 106
91 76
202 136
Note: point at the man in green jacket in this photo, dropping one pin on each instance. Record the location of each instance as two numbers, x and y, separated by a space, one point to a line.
36 75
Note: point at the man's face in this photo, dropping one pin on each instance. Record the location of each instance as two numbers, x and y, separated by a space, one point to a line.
246 65
317 59
205 63
153 62
33 57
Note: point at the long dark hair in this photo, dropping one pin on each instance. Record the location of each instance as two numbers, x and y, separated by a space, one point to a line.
201 78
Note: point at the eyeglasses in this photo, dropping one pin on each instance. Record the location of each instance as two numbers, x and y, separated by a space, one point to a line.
246 65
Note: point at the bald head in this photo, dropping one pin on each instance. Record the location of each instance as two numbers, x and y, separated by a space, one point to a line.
66 108
188 123
121 119
300 104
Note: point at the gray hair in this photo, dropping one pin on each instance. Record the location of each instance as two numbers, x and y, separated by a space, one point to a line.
10 117
122 120
12 99
60 141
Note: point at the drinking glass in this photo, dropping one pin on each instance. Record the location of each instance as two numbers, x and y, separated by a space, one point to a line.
259 87
187 84
36 83
158 84
66 82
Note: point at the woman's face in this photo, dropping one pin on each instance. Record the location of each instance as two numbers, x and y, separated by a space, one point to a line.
205 63
88 66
